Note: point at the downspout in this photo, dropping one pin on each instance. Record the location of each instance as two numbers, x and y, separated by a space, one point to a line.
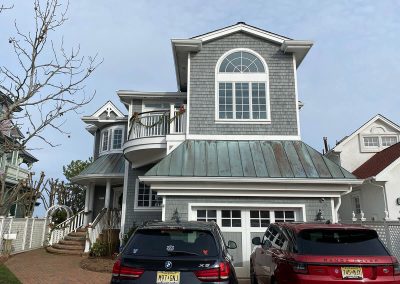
339 202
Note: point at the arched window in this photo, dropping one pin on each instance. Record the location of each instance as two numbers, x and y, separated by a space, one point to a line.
242 87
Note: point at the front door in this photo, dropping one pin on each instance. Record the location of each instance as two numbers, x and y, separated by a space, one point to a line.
117 198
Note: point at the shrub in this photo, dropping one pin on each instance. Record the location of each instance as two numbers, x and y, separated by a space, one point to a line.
99 249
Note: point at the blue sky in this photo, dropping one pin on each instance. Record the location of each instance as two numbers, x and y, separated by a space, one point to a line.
350 74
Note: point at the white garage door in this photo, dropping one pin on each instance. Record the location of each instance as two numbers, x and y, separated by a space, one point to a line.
241 224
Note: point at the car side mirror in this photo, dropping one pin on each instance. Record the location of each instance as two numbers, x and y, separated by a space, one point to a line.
267 244
231 245
256 241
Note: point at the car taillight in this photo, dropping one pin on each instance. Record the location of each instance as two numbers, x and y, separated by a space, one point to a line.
217 274
125 272
300 267
396 268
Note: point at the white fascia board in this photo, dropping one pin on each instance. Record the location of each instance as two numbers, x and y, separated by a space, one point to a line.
246 193
183 46
382 176
154 179
242 28
299 48
339 147
243 137
126 96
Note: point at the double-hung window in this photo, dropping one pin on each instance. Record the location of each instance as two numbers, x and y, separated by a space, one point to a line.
111 139
242 87
146 197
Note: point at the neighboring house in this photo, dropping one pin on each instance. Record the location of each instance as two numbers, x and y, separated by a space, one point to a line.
372 153
224 147
15 164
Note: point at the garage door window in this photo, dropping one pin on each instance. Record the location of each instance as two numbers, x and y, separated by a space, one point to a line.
284 216
231 218
259 218
207 215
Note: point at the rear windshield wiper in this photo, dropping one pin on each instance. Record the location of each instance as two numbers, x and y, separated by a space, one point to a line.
182 252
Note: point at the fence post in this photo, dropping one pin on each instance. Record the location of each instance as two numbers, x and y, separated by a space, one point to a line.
33 227
1 231
388 239
25 232
44 230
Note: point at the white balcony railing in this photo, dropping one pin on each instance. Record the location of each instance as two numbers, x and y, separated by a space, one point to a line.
157 123
13 172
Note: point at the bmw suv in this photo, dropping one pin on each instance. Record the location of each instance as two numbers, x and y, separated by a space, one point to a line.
321 253
176 253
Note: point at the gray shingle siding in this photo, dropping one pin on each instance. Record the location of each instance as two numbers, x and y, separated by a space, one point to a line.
312 205
133 217
281 86
137 106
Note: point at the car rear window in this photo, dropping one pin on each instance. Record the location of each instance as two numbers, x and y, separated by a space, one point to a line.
340 242
157 242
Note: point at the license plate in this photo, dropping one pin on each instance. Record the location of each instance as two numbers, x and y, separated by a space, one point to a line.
168 277
352 273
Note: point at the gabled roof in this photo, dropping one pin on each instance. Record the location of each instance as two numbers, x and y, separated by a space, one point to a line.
248 159
379 162
107 114
182 47
378 117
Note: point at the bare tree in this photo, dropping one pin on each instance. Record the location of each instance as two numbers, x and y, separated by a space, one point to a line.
47 80
4 7
25 193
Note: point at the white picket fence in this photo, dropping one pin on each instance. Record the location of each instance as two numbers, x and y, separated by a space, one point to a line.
31 233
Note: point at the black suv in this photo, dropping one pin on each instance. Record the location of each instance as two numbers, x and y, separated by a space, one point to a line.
175 253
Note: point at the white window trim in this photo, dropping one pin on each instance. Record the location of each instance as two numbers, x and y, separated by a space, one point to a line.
142 208
380 147
248 78
110 131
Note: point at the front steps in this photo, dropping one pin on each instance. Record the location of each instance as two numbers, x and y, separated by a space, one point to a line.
73 243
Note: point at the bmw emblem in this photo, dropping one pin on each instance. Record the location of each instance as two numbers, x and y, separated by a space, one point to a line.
168 264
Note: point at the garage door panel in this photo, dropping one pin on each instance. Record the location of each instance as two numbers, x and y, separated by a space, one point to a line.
237 253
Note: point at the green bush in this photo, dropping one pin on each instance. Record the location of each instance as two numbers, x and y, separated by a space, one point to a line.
99 249
128 234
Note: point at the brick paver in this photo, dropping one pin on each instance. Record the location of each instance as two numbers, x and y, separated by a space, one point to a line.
39 266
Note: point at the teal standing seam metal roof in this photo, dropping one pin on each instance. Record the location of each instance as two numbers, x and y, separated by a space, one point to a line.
258 159
110 164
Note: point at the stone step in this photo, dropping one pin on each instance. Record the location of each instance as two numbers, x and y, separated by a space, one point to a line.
74 243
69 247
77 234
64 251
75 238
82 229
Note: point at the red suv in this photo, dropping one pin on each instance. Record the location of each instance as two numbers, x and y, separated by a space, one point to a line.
321 253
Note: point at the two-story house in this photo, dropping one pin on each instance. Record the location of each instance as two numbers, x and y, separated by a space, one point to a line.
224 147
15 164
371 153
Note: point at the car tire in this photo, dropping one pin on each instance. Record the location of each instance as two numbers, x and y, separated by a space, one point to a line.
253 278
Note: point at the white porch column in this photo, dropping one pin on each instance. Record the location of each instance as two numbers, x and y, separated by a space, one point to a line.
108 194
91 201
87 197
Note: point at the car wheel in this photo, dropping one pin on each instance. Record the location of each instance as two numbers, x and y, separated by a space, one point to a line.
253 278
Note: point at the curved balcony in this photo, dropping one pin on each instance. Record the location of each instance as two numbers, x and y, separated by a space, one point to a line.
148 135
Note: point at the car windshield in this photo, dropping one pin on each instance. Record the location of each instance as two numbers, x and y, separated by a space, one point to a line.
340 242
159 242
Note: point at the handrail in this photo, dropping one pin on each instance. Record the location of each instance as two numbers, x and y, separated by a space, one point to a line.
106 219
66 227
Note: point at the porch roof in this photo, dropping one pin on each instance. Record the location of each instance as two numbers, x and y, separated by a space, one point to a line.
110 166
248 159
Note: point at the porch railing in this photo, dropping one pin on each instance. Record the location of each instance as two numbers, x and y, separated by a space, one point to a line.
157 123
66 227
106 219
13 172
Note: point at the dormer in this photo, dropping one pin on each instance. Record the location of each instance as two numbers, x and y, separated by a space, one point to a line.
108 125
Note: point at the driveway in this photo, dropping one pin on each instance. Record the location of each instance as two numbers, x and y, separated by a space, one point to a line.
38 266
